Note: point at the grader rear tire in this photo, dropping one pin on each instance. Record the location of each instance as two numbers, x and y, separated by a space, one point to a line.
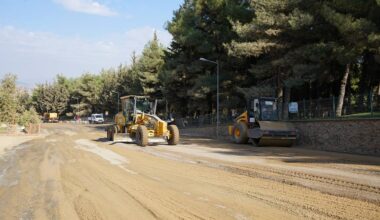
142 136
240 133
174 135
112 134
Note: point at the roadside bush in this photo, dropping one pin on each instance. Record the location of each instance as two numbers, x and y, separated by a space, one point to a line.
29 117
8 99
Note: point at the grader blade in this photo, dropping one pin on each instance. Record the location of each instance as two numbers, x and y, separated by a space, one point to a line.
122 137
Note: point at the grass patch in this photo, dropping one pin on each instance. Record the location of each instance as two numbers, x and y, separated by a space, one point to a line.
363 115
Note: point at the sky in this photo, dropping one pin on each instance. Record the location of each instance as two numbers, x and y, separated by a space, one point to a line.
42 38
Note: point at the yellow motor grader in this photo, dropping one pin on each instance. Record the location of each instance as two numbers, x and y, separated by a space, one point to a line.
260 124
138 123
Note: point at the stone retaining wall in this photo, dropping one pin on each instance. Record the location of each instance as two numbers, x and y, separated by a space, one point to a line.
359 136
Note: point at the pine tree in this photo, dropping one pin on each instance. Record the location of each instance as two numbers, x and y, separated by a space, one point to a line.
279 35
356 35
50 98
150 67
200 28
8 99
88 92
109 91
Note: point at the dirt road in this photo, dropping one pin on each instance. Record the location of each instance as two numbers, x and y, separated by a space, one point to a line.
74 173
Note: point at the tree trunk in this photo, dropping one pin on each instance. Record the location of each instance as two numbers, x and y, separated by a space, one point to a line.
167 109
369 99
310 100
342 91
279 90
285 108
364 82
349 95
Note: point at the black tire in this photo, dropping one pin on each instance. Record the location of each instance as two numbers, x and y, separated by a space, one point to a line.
113 132
112 135
174 135
240 133
142 136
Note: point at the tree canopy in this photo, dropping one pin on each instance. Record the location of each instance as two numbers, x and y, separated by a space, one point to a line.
289 49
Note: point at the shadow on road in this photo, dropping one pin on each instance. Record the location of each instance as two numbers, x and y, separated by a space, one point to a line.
101 140
99 127
304 156
284 154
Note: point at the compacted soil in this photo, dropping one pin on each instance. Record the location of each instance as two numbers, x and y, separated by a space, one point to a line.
73 172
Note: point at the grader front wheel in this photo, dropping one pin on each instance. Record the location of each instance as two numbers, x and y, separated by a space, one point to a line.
142 136
174 135
111 133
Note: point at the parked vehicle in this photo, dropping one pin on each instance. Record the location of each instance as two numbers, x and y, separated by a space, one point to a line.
96 119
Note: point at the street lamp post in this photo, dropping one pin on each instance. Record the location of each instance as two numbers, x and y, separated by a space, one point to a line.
217 92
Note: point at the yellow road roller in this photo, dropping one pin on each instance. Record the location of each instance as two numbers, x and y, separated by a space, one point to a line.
138 123
260 124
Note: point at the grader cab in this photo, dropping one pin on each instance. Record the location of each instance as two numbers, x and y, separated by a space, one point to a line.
138 123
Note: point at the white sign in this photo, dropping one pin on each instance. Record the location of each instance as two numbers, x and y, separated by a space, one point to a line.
268 103
293 107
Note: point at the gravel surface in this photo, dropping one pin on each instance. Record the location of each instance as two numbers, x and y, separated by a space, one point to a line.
74 173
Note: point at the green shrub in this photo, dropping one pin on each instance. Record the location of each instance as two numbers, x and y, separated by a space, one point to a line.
29 117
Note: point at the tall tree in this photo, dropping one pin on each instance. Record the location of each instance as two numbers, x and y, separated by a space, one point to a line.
109 91
356 34
200 28
50 98
150 67
88 92
8 99
279 36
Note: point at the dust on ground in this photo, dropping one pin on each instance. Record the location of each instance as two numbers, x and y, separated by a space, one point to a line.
75 173
8 142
